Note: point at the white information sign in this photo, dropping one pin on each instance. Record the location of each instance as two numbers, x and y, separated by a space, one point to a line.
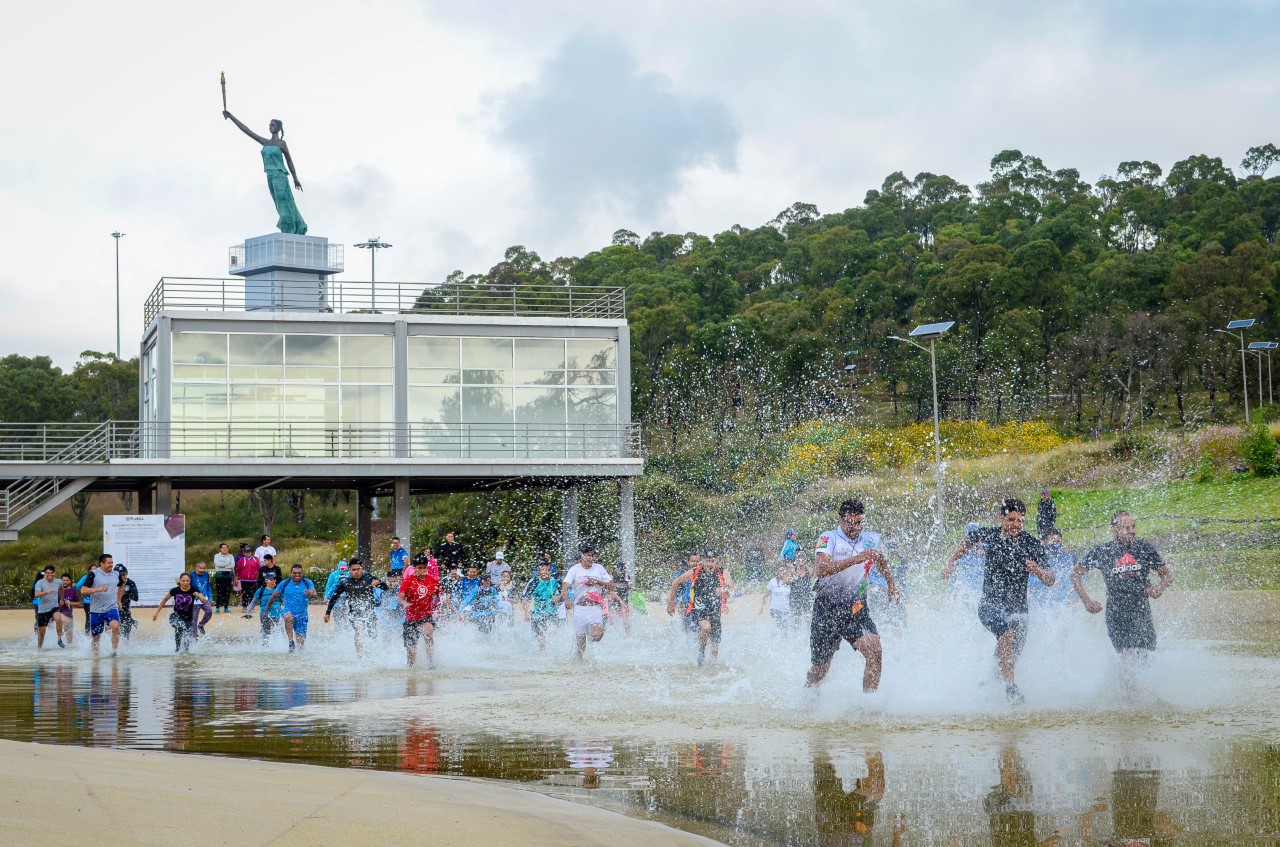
152 547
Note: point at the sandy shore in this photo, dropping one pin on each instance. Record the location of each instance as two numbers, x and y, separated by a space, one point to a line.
126 797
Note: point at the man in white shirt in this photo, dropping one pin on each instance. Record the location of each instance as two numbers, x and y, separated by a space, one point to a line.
845 556
497 567
264 548
589 581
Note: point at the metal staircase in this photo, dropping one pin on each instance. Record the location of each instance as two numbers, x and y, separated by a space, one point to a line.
27 499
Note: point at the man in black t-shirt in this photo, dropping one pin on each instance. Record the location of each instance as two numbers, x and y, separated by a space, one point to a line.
358 591
1012 556
1126 564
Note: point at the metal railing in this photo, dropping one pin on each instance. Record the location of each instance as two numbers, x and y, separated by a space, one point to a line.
229 295
74 443
24 495
68 442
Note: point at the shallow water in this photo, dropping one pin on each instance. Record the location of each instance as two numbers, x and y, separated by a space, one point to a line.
740 751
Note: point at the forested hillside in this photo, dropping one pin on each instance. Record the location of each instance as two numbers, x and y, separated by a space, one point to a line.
1061 290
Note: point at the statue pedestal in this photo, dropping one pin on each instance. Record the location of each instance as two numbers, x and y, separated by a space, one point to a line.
286 273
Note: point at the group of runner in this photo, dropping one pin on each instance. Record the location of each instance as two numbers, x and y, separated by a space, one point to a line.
847 555
848 561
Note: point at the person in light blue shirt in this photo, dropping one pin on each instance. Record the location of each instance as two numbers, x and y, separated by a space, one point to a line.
272 610
331 584
790 547
1061 561
970 567
202 582
399 556
295 594
468 588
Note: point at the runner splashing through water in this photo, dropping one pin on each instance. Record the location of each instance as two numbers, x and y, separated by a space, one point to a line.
844 557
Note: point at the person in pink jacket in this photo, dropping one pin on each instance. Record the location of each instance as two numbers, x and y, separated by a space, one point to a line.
247 567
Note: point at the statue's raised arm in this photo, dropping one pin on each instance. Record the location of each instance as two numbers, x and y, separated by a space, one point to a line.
278 164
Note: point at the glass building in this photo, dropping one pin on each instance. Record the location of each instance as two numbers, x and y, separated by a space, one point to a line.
403 386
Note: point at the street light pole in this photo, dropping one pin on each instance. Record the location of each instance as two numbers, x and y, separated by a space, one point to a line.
117 236
373 245
1264 348
1241 325
1142 363
931 333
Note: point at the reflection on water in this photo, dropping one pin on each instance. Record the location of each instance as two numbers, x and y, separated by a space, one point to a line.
738 752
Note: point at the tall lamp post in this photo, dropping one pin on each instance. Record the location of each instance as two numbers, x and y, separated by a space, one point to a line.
850 369
931 333
373 245
1241 325
1260 349
1142 363
117 236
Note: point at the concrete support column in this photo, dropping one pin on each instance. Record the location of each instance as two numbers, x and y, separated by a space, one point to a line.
364 526
164 497
402 513
568 526
627 524
146 501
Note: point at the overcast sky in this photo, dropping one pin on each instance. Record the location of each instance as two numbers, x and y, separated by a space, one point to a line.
457 129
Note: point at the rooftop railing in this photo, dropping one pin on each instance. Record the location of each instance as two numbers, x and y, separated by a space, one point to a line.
234 294
114 440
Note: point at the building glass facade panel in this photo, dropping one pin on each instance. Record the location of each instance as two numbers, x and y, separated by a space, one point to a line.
312 393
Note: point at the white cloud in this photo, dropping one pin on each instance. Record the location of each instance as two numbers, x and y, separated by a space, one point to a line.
401 119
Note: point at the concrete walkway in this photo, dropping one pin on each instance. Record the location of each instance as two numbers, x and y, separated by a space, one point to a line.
79 795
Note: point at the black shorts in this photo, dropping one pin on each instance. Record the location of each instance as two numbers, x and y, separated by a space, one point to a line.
712 615
833 624
413 630
998 621
44 618
1131 629
365 621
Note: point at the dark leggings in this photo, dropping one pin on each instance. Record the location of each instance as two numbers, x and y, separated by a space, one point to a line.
247 590
181 635
221 593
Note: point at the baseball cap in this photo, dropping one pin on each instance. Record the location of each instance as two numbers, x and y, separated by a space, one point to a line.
710 554
971 526
790 532
587 547
342 566
500 556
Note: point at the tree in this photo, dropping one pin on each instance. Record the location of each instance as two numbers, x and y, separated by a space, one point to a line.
33 390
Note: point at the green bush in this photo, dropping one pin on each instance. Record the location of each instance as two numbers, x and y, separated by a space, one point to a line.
1259 451
1205 471
1137 445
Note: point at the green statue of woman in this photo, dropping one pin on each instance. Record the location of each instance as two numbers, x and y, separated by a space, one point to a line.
275 156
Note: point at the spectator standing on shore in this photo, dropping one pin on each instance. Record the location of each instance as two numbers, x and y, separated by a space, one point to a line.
224 573
247 568
398 556
496 568
450 554
265 549
1046 514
